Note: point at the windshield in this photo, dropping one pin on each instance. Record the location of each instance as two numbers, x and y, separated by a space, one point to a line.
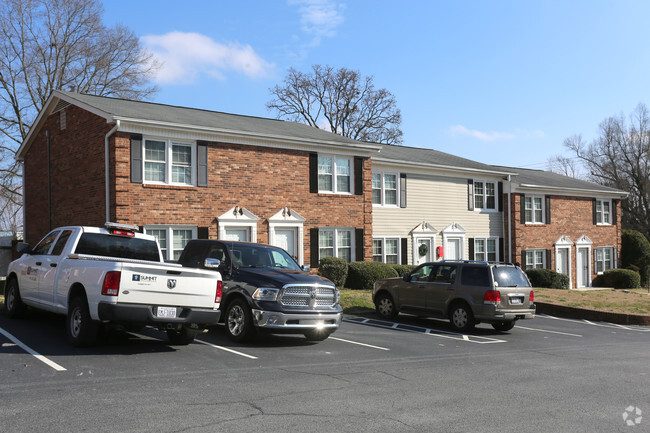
262 256
509 276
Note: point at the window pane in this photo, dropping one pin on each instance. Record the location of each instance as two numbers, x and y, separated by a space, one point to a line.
154 171
491 250
324 165
344 239
377 250
490 196
390 181
391 197
478 195
376 188
539 259
345 254
181 155
325 182
343 166
376 196
391 246
154 151
342 183
161 237
325 239
390 187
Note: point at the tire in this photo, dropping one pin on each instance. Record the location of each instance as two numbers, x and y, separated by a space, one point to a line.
385 306
461 317
317 335
82 330
239 321
181 338
504 326
14 305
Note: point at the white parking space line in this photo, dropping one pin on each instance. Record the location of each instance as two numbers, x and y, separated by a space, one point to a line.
226 349
600 324
32 352
547 331
360 344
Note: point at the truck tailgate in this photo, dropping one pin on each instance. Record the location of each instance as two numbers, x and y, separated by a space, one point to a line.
157 285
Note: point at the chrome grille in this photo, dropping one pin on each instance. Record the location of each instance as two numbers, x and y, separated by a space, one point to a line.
312 297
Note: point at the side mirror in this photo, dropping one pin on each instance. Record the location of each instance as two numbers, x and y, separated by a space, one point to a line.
407 277
305 268
23 248
212 263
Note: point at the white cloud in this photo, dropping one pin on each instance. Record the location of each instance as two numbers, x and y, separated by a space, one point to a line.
483 136
319 18
185 56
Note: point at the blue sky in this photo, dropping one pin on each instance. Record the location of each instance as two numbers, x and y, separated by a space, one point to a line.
500 82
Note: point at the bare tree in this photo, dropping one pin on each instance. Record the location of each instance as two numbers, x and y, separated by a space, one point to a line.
48 45
341 101
620 157
567 166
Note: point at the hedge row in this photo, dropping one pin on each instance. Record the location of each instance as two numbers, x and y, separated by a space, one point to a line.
358 275
618 279
547 278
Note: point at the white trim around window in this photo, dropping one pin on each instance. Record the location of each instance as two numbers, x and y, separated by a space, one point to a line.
385 189
535 258
336 242
235 218
534 209
386 250
168 162
605 259
171 238
603 212
335 174
486 249
485 195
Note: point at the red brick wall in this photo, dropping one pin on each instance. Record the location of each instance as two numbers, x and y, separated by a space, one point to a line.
571 217
260 179
76 174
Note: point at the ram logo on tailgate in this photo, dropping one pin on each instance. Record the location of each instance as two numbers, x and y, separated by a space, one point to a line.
171 283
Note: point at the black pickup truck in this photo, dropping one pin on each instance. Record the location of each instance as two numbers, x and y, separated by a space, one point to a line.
265 290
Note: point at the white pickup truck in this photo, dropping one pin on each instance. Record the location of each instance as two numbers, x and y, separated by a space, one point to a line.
112 275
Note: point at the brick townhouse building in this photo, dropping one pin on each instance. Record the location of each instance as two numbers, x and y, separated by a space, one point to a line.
183 173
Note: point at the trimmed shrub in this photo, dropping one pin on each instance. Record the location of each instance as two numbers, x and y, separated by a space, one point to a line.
618 279
334 269
402 269
547 278
362 275
635 254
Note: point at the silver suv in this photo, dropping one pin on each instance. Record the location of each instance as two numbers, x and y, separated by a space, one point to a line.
465 292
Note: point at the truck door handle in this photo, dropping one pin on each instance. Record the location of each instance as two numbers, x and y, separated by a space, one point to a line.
53 265
38 263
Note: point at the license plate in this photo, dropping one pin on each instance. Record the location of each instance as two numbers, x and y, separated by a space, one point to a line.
167 312
516 301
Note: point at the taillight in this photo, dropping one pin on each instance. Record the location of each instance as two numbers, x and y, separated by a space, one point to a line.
492 297
111 286
531 297
217 298
123 233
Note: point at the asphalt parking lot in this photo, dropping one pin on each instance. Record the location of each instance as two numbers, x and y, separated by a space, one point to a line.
412 374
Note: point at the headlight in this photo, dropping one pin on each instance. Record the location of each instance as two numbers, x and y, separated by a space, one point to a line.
337 296
265 294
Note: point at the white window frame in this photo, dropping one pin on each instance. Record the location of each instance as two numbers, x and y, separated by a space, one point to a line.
169 253
484 195
383 248
534 252
485 240
383 175
532 220
601 214
336 232
169 145
334 189
600 259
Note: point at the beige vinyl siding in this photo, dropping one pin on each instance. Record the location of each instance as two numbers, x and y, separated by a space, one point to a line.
439 201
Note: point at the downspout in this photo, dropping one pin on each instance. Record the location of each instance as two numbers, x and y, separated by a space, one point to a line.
107 169
510 219
49 183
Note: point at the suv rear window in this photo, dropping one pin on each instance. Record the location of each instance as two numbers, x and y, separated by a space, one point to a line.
97 244
509 276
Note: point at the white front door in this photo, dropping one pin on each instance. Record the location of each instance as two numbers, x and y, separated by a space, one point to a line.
419 259
452 251
237 234
286 239
582 267
562 261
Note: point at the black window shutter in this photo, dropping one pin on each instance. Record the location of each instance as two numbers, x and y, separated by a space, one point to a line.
203 233
593 211
614 211
136 158
523 264
522 208
547 205
360 248
313 247
358 175
502 251
202 163
405 254
402 190
470 248
470 194
313 172
141 228
500 191
548 259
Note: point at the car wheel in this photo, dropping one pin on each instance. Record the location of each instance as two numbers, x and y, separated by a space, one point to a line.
81 328
239 321
461 317
181 338
317 335
385 306
504 326
14 305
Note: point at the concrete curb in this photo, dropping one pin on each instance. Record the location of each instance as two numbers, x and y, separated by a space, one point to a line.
597 316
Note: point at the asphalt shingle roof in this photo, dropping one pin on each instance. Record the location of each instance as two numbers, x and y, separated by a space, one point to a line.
430 156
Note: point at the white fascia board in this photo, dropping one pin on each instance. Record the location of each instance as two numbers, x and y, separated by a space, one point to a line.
47 109
427 167
209 133
581 192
